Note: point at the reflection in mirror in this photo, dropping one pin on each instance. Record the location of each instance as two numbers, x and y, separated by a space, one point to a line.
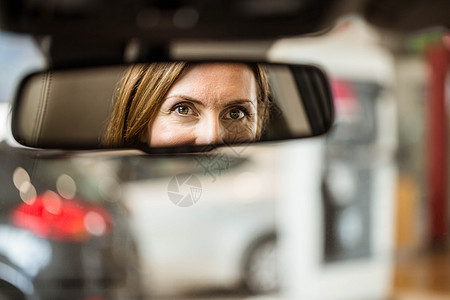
171 104
167 104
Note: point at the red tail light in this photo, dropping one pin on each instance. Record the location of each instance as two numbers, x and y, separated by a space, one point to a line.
71 220
345 98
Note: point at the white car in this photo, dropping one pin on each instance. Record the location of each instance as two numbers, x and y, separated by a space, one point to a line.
223 240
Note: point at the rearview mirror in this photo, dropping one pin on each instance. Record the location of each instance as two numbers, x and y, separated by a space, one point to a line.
173 105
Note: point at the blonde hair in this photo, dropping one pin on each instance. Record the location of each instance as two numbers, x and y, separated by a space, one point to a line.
141 93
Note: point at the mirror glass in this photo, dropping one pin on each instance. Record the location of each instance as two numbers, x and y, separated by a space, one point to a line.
171 105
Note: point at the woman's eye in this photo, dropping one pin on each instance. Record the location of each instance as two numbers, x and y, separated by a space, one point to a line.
183 110
235 114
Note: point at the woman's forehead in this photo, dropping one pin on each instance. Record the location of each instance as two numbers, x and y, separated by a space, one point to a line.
217 82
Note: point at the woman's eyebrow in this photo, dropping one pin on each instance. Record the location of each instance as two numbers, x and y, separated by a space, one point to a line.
187 98
240 102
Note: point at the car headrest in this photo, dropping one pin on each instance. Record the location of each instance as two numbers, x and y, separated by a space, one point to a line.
74 103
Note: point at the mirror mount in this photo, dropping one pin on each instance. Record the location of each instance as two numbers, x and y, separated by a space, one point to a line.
63 52
84 51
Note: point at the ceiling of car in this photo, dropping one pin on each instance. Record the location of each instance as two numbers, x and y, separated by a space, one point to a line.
162 19
86 31
168 19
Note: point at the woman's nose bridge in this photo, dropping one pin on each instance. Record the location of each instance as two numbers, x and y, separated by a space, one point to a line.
210 131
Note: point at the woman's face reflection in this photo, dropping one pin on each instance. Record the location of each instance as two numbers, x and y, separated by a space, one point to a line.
212 103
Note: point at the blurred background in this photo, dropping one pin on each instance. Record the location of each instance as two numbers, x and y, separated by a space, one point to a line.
361 213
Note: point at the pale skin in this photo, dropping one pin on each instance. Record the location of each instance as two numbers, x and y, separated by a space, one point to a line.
213 103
